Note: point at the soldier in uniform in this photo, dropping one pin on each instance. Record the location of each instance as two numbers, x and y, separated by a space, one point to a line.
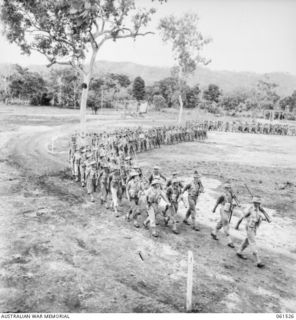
82 166
173 193
156 175
254 218
226 201
114 183
72 149
91 179
134 189
194 189
104 183
174 177
153 196
76 164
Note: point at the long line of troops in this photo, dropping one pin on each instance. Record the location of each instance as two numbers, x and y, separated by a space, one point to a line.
250 127
107 164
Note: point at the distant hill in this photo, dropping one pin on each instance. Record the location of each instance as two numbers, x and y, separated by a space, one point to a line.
227 80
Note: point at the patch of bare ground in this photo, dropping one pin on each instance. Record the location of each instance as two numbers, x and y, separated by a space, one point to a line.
61 253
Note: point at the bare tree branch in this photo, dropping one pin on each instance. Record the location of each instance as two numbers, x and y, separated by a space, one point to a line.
132 35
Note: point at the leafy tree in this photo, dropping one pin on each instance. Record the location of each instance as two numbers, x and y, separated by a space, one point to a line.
27 85
212 93
139 88
64 31
187 42
192 97
170 88
122 79
266 94
108 89
288 103
167 88
235 101
293 97
159 102
151 91
65 87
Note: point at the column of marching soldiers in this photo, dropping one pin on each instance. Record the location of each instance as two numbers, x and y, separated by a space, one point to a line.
251 127
107 164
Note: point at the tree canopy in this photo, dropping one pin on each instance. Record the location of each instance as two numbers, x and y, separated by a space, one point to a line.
212 93
187 42
27 85
186 39
64 31
139 88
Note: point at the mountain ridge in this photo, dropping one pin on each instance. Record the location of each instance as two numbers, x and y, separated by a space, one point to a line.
228 81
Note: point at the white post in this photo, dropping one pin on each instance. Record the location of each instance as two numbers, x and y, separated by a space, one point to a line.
189 282
102 92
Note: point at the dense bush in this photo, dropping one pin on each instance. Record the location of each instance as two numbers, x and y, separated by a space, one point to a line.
159 102
62 87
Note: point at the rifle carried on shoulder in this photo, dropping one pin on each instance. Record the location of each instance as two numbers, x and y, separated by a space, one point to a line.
267 217
232 206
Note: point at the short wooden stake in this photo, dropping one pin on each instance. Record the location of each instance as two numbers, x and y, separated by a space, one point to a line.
189 282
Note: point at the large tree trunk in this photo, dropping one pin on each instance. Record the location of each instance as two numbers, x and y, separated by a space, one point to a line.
181 110
84 95
180 97
83 102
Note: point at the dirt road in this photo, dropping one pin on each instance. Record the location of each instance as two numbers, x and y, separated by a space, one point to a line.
61 253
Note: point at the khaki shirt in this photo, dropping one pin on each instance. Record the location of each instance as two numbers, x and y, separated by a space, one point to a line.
253 217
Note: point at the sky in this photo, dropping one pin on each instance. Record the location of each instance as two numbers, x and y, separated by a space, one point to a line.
247 35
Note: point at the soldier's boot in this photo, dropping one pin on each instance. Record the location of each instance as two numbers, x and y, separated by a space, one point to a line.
186 222
92 199
174 229
213 235
166 220
76 178
136 223
243 246
157 219
259 264
187 217
116 212
229 242
154 232
128 215
241 256
195 227
82 184
146 222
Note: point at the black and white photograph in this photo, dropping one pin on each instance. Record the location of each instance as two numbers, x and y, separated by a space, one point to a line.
148 158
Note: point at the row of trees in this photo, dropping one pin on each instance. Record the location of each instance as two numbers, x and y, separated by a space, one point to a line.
164 94
263 97
64 31
62 87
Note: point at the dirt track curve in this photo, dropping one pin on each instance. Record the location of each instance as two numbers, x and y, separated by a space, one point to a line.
61 253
